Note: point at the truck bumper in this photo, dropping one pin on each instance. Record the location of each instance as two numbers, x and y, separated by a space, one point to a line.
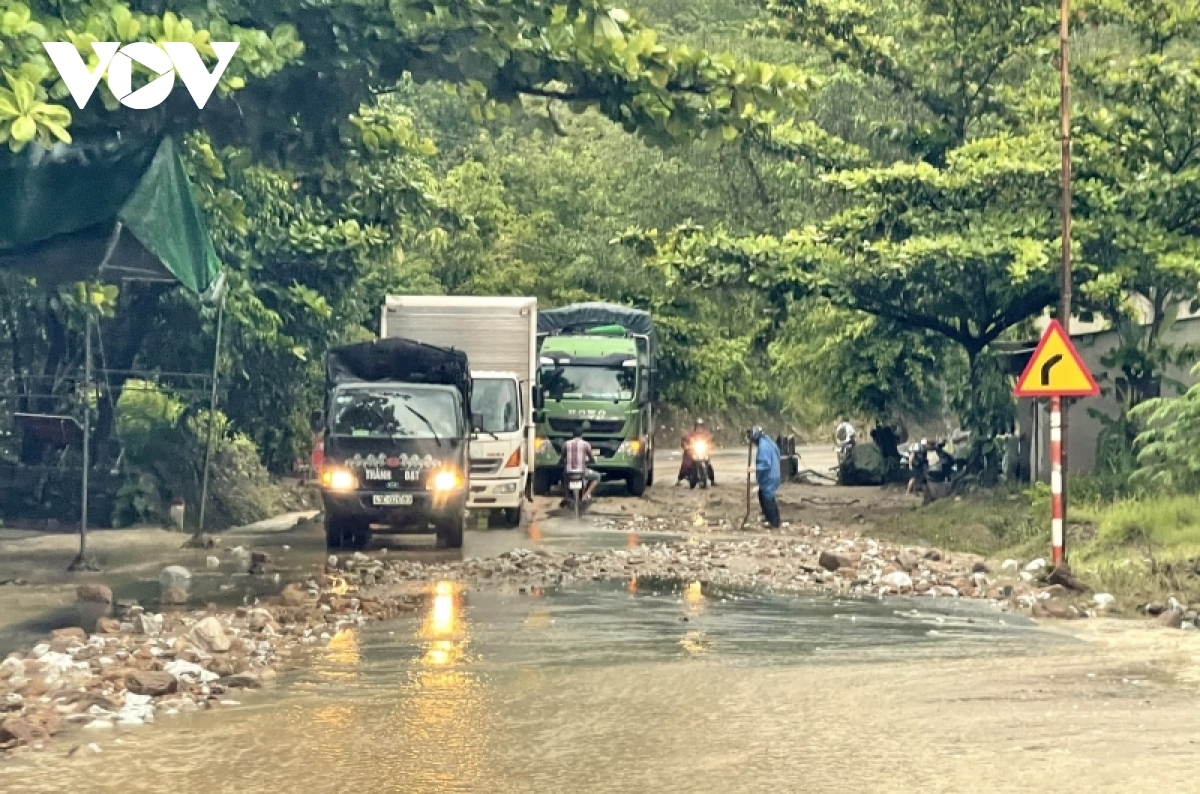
426 508
496 494
617 467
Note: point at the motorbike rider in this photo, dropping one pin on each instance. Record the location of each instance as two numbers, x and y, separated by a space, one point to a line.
698 432
918 464
575 459
766 470
945 462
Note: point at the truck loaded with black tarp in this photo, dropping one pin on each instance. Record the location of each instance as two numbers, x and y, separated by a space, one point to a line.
396 429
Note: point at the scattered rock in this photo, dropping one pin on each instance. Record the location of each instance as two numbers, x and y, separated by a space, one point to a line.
17 731
1036 565
980 567
832 562
1010 566
148 624
174 597
294 595
1171 619
71 633
212 563
94 594
908 561
1104 600
175 577
108 626
210 636
150 682
898 580
933 555
1062 575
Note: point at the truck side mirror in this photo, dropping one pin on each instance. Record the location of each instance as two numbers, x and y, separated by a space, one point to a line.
476 423
539 416
539 398
316 421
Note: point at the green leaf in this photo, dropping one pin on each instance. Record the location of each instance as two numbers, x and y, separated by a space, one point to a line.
23 129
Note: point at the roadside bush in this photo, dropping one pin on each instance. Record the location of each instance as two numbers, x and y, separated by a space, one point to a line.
163 444
1168 456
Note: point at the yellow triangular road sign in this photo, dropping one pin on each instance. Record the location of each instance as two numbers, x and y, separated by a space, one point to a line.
1055 369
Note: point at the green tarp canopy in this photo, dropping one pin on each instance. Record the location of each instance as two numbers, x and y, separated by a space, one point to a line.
112 211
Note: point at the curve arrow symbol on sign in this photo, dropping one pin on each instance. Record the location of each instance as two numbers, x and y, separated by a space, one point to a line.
1050 362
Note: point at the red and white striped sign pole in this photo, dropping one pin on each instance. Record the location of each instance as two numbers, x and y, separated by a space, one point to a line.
1057 519
1056 371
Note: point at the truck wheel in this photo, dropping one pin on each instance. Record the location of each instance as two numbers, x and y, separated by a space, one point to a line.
450 534
335 531
358 535
541 483
635 483
512 517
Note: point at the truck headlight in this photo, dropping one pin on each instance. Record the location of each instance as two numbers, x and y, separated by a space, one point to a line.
542 446
445 480
700 448
508 487
631 447
339 480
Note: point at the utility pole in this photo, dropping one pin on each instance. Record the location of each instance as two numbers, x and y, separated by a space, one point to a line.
1058 408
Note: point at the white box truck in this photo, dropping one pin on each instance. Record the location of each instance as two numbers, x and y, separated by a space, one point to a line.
499 336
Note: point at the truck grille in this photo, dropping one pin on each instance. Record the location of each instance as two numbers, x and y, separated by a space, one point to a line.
485 466
598 426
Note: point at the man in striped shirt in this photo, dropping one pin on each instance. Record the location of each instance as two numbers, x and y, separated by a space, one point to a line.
576 455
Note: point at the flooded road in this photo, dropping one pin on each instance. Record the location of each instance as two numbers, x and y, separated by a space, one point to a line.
670 688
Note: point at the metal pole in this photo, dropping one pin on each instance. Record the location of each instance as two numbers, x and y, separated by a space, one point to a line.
1057 502
1064 311
212 413
82 561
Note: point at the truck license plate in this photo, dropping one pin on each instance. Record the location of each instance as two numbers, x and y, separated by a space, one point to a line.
390 499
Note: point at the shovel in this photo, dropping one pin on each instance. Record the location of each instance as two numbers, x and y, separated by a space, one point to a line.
749 465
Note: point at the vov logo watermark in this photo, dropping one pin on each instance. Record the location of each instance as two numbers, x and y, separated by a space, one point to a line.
167 60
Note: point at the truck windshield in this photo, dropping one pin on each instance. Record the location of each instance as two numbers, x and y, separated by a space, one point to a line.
395 412
589 383
496 400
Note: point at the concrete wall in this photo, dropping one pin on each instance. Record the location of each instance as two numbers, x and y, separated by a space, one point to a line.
1083 429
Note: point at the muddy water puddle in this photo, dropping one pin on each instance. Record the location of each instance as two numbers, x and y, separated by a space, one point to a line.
646 685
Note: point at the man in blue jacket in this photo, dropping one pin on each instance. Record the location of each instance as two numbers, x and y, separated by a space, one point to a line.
766 471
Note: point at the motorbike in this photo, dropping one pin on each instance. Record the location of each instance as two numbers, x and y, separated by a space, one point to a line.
701 471
573 486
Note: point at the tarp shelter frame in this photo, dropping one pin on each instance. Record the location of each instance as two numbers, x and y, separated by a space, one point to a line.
132 203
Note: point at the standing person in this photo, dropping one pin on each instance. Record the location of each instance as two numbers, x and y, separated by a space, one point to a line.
766 471
699 430
918 464
845 433
576 455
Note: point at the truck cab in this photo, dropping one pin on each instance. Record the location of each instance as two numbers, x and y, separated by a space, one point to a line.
499 461
599 381
396 442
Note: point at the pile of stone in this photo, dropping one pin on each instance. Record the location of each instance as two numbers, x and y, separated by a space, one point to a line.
141 665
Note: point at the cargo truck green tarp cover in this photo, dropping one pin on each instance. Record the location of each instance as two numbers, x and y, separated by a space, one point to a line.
581 316
107 210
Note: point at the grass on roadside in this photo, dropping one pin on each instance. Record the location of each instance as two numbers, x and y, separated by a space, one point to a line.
1139 549
988 523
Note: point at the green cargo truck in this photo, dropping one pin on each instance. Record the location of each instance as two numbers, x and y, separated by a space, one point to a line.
596 371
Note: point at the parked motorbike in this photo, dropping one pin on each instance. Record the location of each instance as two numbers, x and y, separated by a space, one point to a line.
701 472
574 487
